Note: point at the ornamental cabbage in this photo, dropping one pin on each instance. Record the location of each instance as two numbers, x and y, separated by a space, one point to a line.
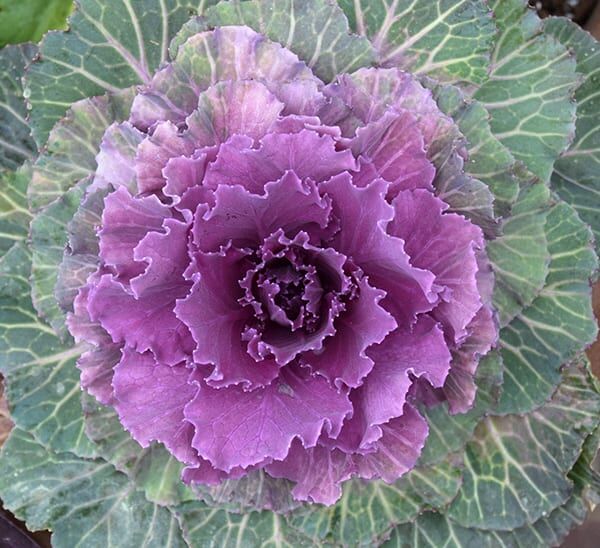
280 280
303 272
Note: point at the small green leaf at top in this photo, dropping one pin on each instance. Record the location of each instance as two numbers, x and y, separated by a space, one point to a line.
28 20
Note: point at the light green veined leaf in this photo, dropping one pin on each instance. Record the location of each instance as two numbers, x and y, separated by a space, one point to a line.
42 382
14 215
586 472
256 490
315 30
448 433
432 530
576 174
48 241
529 94
81 255
558 323
520 256
86 503
153 470
447 39
70 154
111 45
516 466
488 160
206 526
368 510
16 144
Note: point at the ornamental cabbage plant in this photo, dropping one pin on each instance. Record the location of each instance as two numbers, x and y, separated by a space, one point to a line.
295 273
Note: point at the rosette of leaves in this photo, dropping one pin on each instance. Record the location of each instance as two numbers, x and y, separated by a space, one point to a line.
350 172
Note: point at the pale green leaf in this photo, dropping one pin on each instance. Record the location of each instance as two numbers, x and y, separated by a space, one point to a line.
368 510
255 491
558 323
520 256
48 241
16 144
516 466
448 433
432 530
111 45
28 20
529 94
14 215
586 472
448 39
86 503
80 257
488 160
42 382
153 469
206 526
315 30
70 154
576 174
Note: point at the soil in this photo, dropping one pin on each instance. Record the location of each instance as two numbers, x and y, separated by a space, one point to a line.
578 10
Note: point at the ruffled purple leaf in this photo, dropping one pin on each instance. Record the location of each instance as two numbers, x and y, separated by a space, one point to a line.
239 428
306 153
246 219
216 321
150 399
125 221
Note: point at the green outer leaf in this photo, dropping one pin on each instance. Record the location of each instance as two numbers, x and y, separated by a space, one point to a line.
14 215
86 503
448 39
529 94
70 154
520 257
28 20
152 469
194 26
111 45
80 256
368 510
315 30
42 382
576 174
16 144
448 434
255 491
206 526
48 240
585 473
432 530
559 322
488 159
516 466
